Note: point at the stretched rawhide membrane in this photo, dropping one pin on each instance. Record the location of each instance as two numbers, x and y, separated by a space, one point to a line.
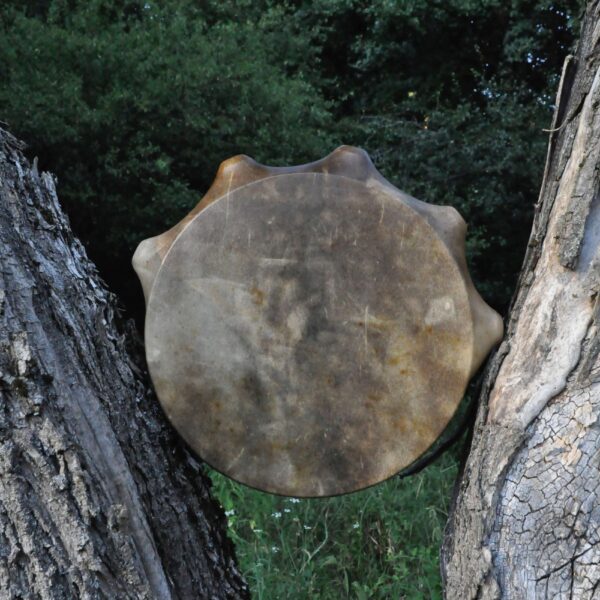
311 330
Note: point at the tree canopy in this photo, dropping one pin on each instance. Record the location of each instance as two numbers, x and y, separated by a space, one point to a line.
134 104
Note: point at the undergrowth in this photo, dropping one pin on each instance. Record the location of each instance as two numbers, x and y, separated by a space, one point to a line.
380 543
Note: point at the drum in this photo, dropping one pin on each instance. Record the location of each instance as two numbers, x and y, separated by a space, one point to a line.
311 330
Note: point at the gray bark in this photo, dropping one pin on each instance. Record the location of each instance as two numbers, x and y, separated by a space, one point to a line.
526 519
98 497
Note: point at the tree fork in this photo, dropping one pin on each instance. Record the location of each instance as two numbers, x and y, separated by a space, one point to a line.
526 518
98 497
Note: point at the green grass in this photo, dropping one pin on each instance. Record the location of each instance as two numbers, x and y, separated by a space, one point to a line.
382 542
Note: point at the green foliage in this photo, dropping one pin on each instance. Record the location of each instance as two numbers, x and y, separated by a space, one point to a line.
382 542
133 105
450 98
134 113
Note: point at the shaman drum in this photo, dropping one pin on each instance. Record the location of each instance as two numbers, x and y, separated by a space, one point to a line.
311 330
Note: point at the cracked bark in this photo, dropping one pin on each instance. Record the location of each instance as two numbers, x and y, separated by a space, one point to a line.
98 498
526 518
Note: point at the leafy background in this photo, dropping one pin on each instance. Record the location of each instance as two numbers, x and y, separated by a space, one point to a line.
134 104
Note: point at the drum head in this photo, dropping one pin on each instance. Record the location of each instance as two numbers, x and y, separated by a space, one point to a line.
309 334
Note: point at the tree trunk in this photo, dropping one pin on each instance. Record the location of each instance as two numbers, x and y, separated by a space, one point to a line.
526 519
98 497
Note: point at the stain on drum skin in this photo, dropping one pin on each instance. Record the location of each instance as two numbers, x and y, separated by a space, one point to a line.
310 334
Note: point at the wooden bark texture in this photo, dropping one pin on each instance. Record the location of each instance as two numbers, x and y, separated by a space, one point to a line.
526 519
98 497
